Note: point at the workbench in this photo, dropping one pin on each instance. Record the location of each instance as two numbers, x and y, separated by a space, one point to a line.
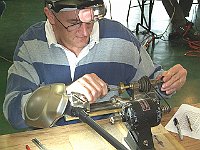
81 136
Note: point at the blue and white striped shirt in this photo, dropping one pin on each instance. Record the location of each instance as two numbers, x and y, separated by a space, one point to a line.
116 57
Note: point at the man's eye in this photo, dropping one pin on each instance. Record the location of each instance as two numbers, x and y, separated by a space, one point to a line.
77 22
72 22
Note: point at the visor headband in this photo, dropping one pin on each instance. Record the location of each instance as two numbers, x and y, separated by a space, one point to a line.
56 6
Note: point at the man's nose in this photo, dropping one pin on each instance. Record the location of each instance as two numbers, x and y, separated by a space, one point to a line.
84 29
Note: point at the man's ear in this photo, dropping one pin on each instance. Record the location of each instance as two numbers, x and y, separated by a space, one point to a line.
49 15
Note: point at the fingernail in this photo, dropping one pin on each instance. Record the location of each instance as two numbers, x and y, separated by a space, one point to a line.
163 85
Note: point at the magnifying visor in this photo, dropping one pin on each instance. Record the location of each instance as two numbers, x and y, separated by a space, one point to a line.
88 10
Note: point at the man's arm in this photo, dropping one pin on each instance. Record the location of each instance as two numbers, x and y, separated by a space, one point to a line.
22 80
173 79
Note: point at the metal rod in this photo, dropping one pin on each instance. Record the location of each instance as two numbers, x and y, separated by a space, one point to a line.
83 116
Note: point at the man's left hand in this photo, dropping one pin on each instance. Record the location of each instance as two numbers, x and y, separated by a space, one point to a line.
173 79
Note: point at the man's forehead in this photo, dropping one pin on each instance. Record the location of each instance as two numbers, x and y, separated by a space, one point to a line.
70 14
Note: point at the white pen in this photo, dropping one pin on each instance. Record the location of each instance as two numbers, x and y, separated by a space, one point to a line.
176 123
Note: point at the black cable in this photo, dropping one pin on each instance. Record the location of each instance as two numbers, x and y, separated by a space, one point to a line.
84 117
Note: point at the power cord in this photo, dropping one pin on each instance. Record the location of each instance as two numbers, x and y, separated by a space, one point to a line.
195 48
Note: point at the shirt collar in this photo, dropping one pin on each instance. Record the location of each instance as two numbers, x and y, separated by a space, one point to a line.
51 39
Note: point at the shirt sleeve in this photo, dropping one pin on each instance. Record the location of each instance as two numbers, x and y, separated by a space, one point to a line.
21 81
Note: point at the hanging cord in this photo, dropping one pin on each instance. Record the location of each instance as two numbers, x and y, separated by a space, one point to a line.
6 59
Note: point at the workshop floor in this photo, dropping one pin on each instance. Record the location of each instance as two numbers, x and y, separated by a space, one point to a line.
20 14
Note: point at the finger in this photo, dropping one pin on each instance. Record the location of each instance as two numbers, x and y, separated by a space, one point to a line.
91 87
103 87
95 85
174 86
182 81
177 69
179 76
172 80
78 87
173 74
159 77
98 84
170 91
167 75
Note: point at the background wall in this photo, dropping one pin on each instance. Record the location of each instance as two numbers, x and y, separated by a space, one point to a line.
17 17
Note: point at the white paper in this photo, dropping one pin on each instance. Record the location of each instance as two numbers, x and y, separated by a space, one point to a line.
193 114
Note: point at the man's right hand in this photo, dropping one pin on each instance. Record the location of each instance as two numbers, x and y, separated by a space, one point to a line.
89 85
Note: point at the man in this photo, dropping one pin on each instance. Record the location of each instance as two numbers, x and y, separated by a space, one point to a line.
181 27
81 52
